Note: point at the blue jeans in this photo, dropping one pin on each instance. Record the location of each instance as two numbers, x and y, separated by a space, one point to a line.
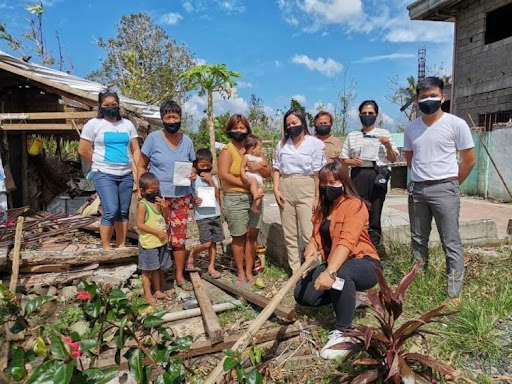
115 194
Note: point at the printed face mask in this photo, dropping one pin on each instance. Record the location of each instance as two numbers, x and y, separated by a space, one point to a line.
323 130
111 112
204 170
237 136
368 120
151 197
295 130
330 193
429 105
172 127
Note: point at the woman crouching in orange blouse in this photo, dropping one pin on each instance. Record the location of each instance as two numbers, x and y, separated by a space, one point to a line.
340 235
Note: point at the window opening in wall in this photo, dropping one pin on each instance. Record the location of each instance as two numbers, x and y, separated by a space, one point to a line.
487 120
498 25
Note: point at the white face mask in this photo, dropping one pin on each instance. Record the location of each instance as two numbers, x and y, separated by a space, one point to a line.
429 99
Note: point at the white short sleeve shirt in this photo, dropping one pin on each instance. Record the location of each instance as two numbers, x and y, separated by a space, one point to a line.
306 160
434 148
354 141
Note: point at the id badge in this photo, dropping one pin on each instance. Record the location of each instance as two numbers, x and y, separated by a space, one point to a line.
338 284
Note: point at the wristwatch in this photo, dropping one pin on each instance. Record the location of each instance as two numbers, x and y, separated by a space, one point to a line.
333 274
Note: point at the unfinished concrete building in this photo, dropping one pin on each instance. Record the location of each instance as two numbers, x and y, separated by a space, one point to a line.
482 60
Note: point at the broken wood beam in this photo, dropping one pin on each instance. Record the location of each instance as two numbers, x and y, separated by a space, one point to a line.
16 255
210 319
39 127
46 268
276 333
48 115
281 311
243 342
88 256
188 313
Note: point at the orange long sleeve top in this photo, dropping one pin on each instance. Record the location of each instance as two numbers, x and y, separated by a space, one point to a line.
348 227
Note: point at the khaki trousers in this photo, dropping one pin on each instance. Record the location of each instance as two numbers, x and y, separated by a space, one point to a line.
299 194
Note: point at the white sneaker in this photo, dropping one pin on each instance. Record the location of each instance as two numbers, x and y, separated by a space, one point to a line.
335 337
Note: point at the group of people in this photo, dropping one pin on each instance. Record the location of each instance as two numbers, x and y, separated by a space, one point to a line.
330 195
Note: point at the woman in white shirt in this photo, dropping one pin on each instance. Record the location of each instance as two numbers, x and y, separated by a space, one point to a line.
297 160
369 175
110 143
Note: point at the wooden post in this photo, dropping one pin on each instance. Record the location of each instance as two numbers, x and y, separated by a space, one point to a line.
210 319
24 170
16 255
216 375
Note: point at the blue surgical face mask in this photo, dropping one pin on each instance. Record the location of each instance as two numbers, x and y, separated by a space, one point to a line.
429 105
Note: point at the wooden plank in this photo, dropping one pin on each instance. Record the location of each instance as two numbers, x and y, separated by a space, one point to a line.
17 255
188 313
24 170
243 342
48 115
101 256
46 268
282 311
210 319
39 127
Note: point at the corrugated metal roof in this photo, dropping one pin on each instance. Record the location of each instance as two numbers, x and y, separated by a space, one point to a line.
144 110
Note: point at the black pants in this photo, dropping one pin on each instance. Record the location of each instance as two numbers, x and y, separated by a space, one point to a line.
358 274
364 182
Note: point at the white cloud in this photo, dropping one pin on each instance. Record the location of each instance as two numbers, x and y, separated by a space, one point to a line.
231 6
277 63
196 105
327 67
244 84
387 20
188 6
391 56
300 98
171 18
200 61
329 107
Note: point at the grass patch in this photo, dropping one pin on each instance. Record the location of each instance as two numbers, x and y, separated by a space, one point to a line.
227 318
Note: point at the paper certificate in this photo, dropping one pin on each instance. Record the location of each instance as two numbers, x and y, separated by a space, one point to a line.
370 148
207 195
182 173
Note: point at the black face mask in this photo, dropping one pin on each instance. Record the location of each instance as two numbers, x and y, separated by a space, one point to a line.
204 170
172 127
295 131
151 197
323 130
111 112
237 136
430 105
368 120
330 193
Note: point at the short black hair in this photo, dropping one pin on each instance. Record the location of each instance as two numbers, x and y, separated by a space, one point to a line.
204 154
323 113
251 141
170 106
369 102
148 179
429 83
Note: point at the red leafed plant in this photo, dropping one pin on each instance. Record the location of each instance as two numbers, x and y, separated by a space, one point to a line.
382 353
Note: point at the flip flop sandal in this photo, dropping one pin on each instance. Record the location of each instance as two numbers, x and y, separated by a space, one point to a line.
216 275
259 268
184 286
194 269
238 280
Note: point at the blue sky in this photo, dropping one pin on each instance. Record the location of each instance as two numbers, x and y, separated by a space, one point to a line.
283 48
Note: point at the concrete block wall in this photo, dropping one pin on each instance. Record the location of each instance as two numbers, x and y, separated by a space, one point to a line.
483 73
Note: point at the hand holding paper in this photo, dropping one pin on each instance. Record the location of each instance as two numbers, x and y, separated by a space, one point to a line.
182 172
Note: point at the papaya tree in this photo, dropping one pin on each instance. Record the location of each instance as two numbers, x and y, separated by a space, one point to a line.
207 79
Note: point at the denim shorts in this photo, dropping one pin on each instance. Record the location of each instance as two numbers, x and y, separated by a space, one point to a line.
115 194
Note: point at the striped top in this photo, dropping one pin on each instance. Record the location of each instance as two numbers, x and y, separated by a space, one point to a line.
354 141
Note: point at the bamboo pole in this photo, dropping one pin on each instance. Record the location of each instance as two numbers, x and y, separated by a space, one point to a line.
490 157
242 343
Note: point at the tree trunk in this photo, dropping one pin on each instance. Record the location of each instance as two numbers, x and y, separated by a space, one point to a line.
211 128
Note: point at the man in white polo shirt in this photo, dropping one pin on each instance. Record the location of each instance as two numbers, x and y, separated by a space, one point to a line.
431 144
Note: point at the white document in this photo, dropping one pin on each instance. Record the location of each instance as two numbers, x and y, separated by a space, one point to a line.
207 194
370 148
182 171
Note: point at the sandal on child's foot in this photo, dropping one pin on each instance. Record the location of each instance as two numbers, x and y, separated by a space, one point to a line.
185 286
215 274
